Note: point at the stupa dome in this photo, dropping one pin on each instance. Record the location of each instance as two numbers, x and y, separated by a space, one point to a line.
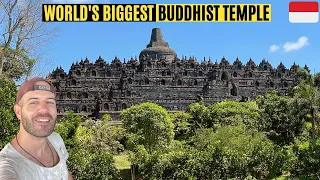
158 48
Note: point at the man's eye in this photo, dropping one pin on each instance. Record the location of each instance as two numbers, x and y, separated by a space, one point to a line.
33 102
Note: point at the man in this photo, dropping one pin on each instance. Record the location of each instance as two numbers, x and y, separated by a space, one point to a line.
36 152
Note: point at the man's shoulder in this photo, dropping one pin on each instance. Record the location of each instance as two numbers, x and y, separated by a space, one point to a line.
8 151
4 153
10 162
10 154
8 168
58 142
55 137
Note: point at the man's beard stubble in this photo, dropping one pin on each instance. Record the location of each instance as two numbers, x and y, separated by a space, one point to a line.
29 125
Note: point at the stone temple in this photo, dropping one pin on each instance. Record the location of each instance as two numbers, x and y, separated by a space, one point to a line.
159 76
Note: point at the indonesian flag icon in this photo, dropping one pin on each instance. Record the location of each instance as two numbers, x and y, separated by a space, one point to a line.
303 12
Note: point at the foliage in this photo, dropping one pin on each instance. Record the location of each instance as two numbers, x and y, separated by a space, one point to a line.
317 79
17 64
101 135
181 125
9 124
174 163
100 166
122 161
67 128
307 94
279 119
238 155
237 139
23 37
89 159
302 73
263 139
247 152
199 117
148 124
304 160
234 113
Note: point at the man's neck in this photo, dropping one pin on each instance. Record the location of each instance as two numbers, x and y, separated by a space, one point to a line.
35 145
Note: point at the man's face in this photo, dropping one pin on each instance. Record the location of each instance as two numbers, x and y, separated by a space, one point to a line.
37 112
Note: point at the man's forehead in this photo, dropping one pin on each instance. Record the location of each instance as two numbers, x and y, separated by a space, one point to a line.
40 94
37 95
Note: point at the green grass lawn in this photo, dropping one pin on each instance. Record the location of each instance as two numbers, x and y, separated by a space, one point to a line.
122 163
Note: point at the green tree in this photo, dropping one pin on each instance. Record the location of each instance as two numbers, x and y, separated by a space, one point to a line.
148 124
89 154
8 122
279 118
307 93
237 139
317 79
67 128
101 135
23 37
304 162
234 113
230 152
244 152
199 117
176 162
182 127
17 64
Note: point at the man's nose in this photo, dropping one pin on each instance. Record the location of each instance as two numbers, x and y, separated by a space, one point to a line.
43 106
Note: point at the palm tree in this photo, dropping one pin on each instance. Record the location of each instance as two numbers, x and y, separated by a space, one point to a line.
307 93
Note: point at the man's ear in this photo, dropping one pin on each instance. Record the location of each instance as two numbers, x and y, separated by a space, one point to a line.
17 110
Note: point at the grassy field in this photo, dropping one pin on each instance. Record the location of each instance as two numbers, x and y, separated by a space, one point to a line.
122 163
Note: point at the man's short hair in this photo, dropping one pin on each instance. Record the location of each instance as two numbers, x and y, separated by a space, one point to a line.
30 85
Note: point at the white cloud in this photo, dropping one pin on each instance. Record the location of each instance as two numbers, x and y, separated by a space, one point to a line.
292 46
274 48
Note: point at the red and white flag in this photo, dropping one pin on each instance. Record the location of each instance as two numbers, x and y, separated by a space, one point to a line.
303 12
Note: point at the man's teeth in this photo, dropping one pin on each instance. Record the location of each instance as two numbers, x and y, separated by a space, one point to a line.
43 120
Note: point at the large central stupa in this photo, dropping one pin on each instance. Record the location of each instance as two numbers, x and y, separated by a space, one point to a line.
158 48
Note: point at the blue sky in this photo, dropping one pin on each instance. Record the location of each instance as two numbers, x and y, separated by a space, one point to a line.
290 43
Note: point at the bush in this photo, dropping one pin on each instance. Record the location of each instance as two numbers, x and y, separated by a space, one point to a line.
9 123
